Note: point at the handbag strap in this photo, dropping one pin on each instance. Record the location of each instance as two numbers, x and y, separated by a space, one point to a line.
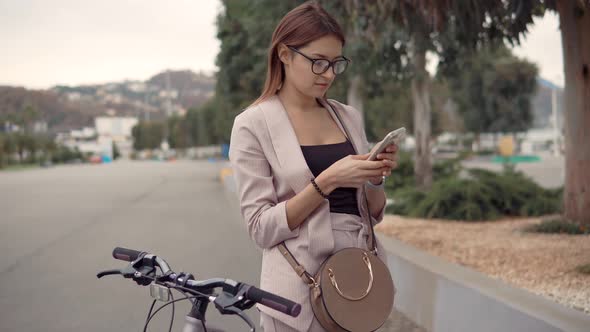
300 269
371 240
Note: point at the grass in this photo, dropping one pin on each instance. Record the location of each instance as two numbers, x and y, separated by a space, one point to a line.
18 167
558 225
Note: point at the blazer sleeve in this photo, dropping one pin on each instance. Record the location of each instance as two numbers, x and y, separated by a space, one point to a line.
265 216
358 115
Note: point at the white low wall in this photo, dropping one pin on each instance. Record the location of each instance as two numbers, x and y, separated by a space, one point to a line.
445 297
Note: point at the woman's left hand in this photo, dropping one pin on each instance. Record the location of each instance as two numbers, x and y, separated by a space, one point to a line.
389 157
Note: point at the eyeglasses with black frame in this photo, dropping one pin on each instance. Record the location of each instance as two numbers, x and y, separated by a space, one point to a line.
320 66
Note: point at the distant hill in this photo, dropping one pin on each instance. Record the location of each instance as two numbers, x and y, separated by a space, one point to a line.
193 89
58 115
71 107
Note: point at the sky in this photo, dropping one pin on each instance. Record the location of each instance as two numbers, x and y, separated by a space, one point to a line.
73 42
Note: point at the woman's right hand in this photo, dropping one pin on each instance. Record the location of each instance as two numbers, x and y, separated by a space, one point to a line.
353 171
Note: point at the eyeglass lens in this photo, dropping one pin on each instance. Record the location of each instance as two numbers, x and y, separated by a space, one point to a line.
321 66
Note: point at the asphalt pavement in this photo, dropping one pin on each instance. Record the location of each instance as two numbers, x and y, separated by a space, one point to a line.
58 227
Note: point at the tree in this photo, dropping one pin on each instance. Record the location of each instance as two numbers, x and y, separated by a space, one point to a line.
493 90
509 20
178 137
243 28
200 123
148 135
116 153
429 24
574 19
2 152
21 141
31 146
48 146
10 147
24 118
378 55
137 134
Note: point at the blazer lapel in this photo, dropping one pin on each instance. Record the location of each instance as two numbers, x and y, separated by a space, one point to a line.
298 175
285 144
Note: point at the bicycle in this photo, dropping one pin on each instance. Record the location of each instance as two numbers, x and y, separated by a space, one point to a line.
234 298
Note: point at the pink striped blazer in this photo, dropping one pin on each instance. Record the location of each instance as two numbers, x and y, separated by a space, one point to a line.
269 168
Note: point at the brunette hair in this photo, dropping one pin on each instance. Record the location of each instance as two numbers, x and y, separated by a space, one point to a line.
302 25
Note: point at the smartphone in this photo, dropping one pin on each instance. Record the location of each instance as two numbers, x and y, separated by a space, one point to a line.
395 136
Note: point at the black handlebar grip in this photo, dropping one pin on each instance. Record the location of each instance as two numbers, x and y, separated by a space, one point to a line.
125 254
273 301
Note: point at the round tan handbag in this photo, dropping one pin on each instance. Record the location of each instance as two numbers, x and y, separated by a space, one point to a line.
355 292
352 290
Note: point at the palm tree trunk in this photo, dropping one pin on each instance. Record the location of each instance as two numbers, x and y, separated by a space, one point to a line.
422 119
353 97
575 25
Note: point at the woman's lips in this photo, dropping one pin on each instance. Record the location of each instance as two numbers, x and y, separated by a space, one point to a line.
322 85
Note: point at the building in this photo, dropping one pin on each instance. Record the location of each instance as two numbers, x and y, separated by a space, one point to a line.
99 140
117 130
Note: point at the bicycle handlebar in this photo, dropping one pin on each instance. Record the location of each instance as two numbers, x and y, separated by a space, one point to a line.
125 254
251 293
273 301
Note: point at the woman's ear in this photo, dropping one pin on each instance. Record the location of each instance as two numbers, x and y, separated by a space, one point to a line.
284 54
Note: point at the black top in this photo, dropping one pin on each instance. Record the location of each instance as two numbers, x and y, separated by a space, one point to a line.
320 157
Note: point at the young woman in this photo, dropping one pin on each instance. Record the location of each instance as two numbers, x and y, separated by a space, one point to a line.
299 177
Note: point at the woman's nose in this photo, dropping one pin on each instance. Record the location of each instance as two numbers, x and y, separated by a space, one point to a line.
329 74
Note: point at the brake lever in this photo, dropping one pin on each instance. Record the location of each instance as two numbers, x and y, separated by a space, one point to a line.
143 273
107 272
227 304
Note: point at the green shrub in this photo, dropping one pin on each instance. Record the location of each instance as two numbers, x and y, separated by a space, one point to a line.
486 152
515 194
405 199
484 195
447 168
64 154
403 175
585 269
558 225
458 199
540 206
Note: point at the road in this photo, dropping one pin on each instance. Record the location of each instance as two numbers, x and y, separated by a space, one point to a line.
549 172
58 227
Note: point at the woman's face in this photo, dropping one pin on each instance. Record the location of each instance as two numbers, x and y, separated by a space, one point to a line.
298 69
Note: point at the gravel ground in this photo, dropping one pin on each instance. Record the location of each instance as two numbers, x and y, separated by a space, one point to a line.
541 263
